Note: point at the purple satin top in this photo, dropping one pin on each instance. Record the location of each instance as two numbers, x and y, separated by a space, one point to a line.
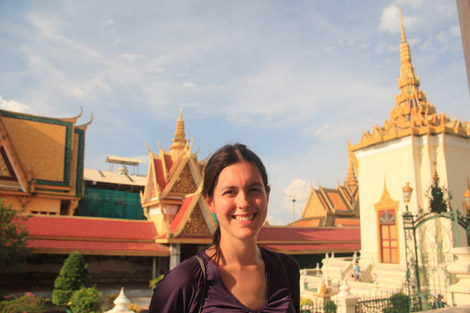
180 289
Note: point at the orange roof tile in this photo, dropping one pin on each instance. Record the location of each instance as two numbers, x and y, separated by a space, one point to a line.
99 236
348 221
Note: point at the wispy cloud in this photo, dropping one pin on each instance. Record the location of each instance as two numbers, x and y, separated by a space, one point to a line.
15 106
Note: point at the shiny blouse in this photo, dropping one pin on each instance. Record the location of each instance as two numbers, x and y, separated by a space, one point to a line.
180 290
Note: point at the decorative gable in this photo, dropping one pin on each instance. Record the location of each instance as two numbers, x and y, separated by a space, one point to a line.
41 162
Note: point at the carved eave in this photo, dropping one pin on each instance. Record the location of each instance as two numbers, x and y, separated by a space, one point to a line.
72 120
330 208
151 195
195 200
386 202
433 125
85 126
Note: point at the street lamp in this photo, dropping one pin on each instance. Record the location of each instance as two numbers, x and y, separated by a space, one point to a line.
407 194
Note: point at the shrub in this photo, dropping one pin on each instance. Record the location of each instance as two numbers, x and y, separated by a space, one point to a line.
330 307
26 303
400 302
14 249
86 299
153 283
109 301
73 275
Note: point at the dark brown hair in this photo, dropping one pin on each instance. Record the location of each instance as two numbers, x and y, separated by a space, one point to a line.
226 156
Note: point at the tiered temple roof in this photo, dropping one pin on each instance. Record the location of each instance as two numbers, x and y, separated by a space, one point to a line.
328 207
172 197
413 115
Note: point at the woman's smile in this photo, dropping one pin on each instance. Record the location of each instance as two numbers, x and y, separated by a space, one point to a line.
244 217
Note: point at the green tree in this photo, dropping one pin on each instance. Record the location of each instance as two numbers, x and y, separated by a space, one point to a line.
73 276
86 299
438 204
14 237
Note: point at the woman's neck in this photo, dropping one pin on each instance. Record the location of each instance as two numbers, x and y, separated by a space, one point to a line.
243 253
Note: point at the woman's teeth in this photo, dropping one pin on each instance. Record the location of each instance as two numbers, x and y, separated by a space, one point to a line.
244 218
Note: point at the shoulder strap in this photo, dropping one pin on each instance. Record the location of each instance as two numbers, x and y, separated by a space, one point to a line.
203 294
283 269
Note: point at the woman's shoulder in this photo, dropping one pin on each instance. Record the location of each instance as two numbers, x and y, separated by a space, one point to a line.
186 273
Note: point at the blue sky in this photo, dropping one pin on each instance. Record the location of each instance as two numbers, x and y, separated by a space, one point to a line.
294 80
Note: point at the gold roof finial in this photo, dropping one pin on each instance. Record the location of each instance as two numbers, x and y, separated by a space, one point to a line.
411 100
403 37
351 180
179 141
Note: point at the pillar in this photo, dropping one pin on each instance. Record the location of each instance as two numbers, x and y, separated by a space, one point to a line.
175 253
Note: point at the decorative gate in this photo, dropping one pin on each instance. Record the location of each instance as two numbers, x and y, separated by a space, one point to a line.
429 239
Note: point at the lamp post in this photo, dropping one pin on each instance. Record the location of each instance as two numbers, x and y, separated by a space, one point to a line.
410 233
407 190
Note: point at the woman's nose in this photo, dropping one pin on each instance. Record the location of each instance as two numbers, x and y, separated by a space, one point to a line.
242 200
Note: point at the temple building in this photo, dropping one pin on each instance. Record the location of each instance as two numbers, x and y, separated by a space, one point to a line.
329 207
130 227
413 174
172 198
414 145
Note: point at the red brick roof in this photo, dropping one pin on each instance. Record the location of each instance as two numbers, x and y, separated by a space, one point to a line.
102 236
306 240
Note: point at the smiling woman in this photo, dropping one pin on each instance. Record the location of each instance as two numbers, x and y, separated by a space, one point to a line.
234 274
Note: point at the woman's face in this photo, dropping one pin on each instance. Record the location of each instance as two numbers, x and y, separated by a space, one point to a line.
240 201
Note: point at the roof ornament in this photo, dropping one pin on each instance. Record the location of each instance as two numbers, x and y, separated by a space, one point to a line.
179 141
85 126
147 147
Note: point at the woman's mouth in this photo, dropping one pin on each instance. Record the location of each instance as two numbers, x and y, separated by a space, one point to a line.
245 217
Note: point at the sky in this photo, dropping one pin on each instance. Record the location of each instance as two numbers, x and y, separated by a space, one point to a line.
293 80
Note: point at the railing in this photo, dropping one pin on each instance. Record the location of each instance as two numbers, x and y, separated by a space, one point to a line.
314 307
373 305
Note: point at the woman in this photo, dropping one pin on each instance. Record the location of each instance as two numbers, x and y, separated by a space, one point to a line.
240 275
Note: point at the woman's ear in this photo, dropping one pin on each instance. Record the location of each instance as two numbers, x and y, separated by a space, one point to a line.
210 203
268 191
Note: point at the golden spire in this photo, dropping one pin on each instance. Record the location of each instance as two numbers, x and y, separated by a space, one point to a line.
179 141
411 100
351 181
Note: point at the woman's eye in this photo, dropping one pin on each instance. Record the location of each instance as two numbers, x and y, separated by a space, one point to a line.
228 192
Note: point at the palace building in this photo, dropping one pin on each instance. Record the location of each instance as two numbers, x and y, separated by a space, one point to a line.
414 202
130 227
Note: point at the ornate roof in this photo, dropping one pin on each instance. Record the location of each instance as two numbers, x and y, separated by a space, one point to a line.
413 115
41 155
328 207
175 179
